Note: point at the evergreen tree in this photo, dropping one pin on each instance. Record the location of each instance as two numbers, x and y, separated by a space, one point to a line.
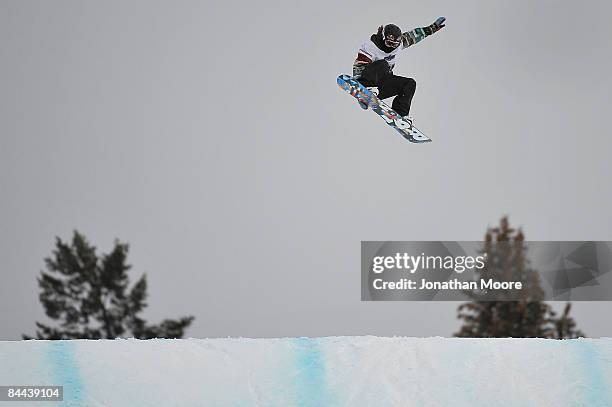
89 296
527 317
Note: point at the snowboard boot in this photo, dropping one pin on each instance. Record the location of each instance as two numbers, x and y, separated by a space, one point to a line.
409 119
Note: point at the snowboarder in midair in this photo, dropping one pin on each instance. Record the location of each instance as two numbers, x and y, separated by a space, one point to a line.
376 59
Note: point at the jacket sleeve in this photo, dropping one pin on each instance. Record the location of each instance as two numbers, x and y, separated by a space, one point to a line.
412 37
363 59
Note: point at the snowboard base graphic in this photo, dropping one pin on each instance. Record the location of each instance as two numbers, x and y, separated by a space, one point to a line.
366 97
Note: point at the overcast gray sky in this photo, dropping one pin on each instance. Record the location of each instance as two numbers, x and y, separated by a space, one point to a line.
212 137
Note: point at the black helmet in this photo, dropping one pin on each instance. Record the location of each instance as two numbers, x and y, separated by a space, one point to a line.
392 35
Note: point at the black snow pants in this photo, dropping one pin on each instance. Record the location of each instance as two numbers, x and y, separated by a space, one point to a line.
379 74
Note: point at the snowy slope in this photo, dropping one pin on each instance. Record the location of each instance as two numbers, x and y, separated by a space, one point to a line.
335 371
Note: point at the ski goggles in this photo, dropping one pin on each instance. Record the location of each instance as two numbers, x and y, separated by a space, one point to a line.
392 42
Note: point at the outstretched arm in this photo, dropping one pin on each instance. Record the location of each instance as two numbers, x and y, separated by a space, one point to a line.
412 37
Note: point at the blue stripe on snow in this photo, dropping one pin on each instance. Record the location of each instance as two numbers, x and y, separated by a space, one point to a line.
310 381
65 372
597 391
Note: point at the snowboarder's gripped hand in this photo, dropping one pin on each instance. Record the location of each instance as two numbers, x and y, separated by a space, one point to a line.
438 24
376 59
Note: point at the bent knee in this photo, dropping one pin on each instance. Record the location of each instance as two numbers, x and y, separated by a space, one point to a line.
410 85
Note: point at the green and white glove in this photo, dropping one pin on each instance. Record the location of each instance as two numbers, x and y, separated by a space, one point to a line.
438 24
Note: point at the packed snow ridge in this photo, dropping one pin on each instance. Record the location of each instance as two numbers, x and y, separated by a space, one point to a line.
318 372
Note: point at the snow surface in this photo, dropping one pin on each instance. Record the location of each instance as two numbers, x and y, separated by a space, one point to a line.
334 371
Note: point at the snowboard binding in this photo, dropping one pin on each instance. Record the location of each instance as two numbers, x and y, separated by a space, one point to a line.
363 102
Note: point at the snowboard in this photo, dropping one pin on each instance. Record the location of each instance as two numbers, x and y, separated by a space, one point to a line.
369 99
